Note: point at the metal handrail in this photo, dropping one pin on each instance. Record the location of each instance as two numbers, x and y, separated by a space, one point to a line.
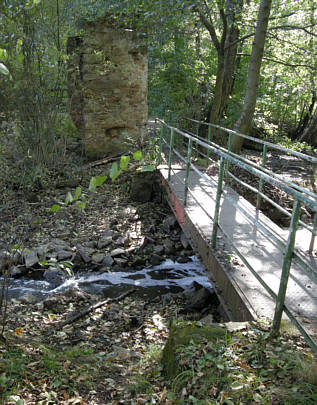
256 140
300 198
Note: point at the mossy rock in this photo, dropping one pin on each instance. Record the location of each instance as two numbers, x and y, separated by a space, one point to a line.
181 333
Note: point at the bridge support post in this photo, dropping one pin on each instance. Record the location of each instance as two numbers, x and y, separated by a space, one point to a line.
161 144
217 207
286 268
264 154
189 152
170 154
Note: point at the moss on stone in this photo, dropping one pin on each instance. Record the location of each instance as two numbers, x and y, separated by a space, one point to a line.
181 333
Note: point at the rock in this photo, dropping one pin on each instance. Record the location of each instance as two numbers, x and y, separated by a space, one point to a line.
159 249
237 326
123 241
28 299
53 277
198 297
208 320
169 223
184 240
169 246
107 261
30 258
98 257
117 252
42 251
18 271
89 250
104 242
123 353
138 261
155 259
120 261
167 298
64 255
183 259
91 244
53 303
181 333
142 187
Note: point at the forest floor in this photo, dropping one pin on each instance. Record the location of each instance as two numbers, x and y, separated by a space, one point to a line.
112 355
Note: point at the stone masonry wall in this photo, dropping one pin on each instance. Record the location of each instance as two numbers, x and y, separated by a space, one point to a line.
108 88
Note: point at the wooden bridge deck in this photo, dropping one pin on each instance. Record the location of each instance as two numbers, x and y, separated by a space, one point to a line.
239 291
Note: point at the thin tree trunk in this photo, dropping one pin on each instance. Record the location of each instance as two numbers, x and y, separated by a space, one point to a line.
310 133
234 9
243 124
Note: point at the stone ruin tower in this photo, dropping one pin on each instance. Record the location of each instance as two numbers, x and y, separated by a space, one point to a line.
108 88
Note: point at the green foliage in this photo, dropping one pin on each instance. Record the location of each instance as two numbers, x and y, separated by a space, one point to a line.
297 146
65 267
3 69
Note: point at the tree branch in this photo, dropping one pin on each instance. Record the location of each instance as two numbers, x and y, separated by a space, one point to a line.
280 61
210 27
295 27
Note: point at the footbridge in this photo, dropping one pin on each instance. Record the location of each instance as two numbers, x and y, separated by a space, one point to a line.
258 267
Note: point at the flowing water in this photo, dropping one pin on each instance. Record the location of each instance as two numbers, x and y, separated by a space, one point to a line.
149 282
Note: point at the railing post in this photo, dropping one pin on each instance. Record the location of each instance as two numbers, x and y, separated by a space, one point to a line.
218 198
286 268
189 152
312 241
209 139
161 144
229 150
170 153
264 156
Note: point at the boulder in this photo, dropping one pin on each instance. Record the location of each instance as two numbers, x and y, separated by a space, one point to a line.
53 277
181 333
143 186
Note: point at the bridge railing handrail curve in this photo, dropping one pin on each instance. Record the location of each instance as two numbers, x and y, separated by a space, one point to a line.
283 184
290 188
271 145
262 168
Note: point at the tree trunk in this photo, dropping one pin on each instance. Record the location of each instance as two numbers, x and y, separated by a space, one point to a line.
310 133
217 99
243 124
234 8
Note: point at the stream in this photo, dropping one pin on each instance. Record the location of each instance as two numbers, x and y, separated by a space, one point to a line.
168 277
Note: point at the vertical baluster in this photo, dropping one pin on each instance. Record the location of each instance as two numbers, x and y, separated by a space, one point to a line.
161 143
229 149
209 139
170 153
286 268
264 157
312 241
218 198
189 152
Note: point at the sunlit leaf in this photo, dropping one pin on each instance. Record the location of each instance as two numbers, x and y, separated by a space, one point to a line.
137 155
114 170
19 332
100 180
54 208
81 205
124 161
69 198
148 168
3 69
92 184
77 193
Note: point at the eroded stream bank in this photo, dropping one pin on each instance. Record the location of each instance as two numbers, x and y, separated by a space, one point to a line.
127 237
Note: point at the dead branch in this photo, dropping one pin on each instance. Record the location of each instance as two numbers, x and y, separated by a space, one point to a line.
90 308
